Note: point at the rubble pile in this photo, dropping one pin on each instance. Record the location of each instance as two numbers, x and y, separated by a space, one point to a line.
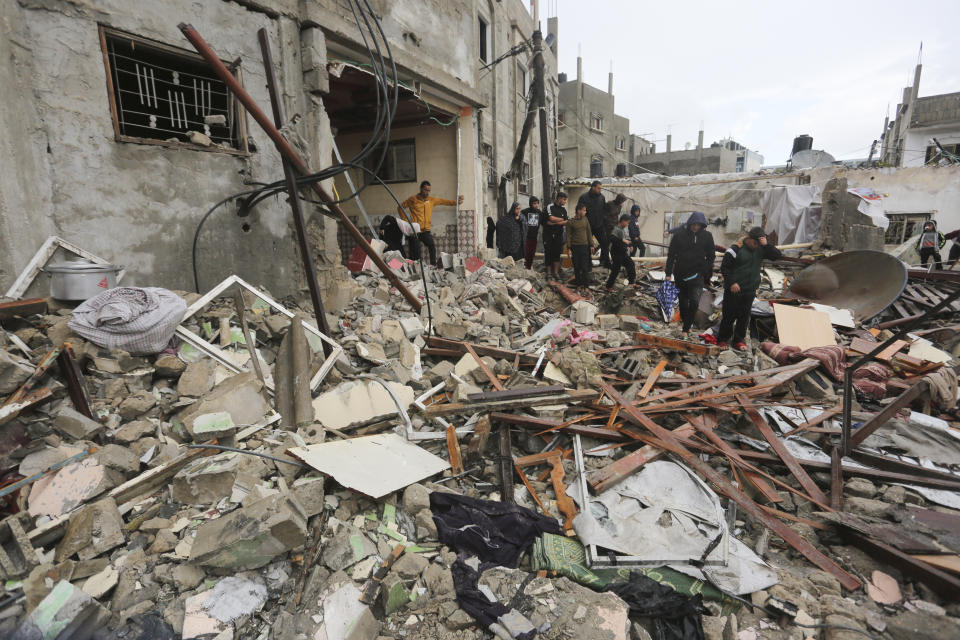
516 458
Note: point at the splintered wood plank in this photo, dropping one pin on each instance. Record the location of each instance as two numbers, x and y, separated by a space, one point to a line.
602 479
790 536
453 447
478 443
865 346
652 379
781 450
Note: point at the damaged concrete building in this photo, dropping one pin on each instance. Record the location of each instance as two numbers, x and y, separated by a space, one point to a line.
117 137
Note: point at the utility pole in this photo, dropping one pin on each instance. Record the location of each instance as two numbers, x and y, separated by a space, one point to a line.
873 147
540 98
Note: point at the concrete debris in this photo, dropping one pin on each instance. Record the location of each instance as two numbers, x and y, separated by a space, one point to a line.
318 524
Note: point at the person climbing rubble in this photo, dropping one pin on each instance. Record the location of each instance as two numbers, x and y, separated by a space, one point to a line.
930 243
421 207
741 278
619 253
690 263
637 248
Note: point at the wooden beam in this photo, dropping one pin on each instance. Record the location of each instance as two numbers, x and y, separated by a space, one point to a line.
888 412
781 450
483 367
453 448
706 471
652 379
675 345
453 408
478 442
836 479
604 478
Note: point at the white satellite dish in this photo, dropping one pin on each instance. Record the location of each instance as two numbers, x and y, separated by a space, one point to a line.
811 159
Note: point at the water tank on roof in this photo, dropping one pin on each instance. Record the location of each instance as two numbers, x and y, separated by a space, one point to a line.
561 77
802 142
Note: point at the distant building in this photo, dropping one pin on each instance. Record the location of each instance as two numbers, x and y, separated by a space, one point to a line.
724 156
591 138
908 140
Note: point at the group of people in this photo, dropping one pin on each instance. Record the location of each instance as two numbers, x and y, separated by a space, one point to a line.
415 225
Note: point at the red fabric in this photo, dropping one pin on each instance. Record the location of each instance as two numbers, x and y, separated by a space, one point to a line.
779 352
833 359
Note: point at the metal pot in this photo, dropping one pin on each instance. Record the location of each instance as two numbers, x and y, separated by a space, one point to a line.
80 279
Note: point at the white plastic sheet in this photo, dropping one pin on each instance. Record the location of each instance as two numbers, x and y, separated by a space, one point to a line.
788 211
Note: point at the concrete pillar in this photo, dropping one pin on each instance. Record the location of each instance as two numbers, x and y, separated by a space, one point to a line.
610 83
669 140
579 69
552 29
700 140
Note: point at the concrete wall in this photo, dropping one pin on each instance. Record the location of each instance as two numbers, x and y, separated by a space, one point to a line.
907 190
918 139
690 161
578 142
134 204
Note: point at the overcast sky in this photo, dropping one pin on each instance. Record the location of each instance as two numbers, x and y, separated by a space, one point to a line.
763 71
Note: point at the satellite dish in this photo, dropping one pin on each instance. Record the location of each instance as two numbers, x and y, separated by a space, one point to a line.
811 159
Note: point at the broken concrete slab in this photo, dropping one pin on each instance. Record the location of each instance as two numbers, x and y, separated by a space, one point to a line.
344 616
347 547
234 597
398 462
359 402
72 486
198 378
251 536
66 612
71 422
93 529
100 584
240 396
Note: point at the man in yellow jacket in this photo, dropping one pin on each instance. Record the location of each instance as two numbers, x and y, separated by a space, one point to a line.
421 207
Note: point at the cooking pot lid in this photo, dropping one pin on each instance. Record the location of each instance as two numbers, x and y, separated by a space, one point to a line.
80 266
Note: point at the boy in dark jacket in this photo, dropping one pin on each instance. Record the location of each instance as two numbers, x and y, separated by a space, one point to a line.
741 277
619 252
511 230
690 262
532 216
930 243
636 244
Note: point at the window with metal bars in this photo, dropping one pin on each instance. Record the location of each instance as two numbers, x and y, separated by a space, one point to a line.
160 94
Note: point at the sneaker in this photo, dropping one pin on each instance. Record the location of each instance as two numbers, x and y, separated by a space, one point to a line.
740 346
723 345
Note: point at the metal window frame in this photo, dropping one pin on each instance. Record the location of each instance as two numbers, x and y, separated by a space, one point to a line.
387 161
217 354
42 257
241 120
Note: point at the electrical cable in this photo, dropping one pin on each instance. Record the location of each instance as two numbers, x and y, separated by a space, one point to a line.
249 453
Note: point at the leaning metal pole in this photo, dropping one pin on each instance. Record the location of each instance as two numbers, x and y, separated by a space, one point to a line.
289 153
305 253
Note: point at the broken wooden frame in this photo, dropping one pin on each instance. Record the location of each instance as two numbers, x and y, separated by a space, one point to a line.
217 354
42 257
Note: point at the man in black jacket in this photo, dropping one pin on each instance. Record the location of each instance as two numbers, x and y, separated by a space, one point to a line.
596 210
741 277
690 262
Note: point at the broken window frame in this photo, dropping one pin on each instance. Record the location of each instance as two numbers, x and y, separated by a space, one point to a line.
621 143
235 112
483 31
218 354
901 222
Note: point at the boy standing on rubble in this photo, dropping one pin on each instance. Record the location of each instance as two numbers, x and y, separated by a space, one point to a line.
930 243
741 278
421 207
690 260
636 244
579 237
620 252
554 224
532 215
596 206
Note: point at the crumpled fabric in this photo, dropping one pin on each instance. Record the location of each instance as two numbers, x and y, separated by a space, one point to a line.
667 296
496 534
140 321
943 387
674 616
870 379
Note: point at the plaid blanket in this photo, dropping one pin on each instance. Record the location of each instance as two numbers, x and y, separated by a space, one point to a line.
138 321
870 379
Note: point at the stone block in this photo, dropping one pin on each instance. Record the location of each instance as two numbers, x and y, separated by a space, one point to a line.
410 566
607 321
93 530
309 493
72 486
252 536
66 612
121 459
71 422
17 555
412 326
583 312
208 480
347 547
238 395
630 323
198 378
